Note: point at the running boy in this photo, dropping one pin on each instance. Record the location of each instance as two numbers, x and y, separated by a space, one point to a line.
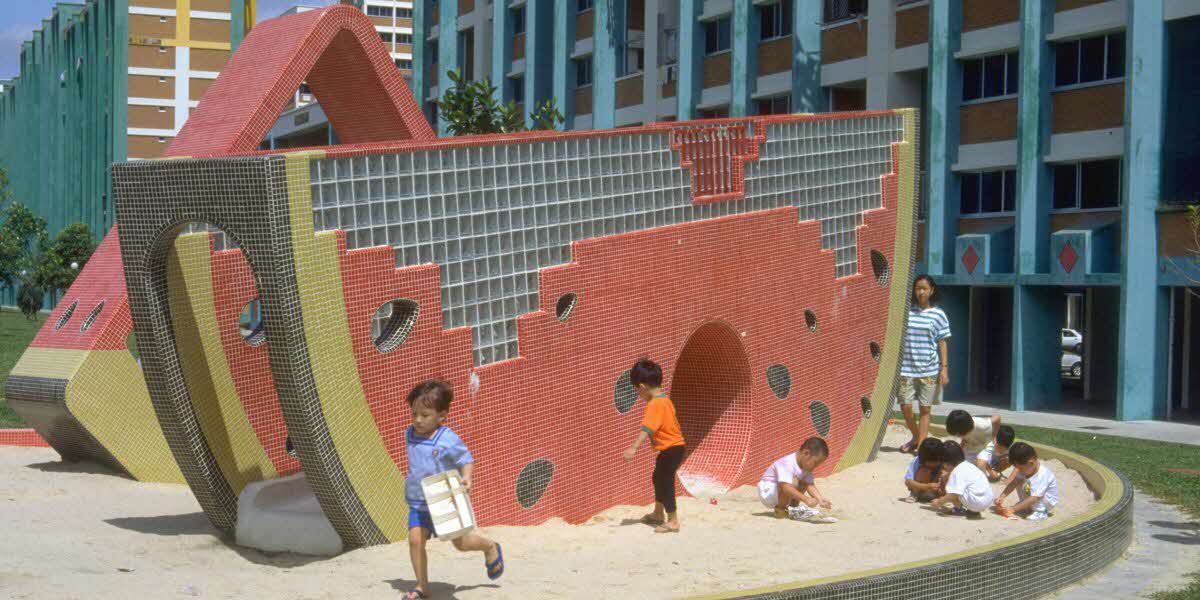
967 488
432 449
662 427
924 476
787 485
1036 485
993 459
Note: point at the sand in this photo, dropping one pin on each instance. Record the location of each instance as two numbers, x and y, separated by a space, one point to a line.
78 531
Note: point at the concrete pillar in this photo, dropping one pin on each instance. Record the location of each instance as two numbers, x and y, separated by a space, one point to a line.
447 50
881 35
1141 372
807 93
501 48
237 24
744 35
1037 319
691 59
945 94
607 42
651 90
539 54
1036 349
421 77
563 85
956 303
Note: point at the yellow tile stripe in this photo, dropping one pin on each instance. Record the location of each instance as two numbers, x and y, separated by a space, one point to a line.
864 441
355 435
55 363
215 400
1099 478
107 395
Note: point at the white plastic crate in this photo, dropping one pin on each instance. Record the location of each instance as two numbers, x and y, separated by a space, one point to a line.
449 504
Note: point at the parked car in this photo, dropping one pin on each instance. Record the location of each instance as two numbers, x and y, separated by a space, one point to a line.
1072 365
1072 340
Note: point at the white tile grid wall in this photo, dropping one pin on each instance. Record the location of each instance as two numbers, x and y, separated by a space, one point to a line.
492 216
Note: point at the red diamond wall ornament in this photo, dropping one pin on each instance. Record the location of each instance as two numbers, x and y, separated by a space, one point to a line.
970 259
1068 257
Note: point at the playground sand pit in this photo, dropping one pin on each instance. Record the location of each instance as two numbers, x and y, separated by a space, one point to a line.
78 531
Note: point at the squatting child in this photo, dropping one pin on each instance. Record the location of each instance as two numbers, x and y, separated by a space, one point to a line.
967 488
1036 485
994 459
787 485
924 476
432 449
976 433
662 427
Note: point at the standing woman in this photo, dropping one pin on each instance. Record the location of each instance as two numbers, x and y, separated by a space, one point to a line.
924 369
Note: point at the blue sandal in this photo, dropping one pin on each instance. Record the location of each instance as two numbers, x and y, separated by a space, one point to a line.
495 568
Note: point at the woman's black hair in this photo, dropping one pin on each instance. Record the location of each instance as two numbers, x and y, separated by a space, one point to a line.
934 297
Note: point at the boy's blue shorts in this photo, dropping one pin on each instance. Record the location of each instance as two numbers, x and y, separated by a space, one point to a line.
421 518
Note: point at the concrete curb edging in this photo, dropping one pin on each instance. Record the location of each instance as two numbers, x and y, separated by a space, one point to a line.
1024 566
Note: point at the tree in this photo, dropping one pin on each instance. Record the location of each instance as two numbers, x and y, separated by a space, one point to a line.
65 256
22 242
471 108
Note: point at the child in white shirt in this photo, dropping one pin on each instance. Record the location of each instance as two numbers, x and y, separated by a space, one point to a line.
1036 485
787 485
967 488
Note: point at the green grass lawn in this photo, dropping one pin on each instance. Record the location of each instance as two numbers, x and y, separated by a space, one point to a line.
15 334
1145 463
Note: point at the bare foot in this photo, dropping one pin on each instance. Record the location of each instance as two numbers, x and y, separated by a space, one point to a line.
667 528
652 519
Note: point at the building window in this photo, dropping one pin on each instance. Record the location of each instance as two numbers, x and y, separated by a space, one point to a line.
517 16
633 61
775 20
1090 59
991 76
404 13
716 36
516 86
837 10
386 36
1092 184
583 71
988 192
583 5
403 63
779 105
716 112
379 11
404 38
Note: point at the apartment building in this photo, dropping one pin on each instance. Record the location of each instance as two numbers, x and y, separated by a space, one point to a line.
103 81
1055 174
303 122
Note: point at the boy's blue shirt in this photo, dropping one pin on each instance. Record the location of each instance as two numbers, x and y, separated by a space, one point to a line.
438 453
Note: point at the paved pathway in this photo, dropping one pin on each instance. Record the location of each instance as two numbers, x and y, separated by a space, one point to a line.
1164 431
1165 549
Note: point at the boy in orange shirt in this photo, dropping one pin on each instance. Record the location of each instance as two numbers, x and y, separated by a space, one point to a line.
660 425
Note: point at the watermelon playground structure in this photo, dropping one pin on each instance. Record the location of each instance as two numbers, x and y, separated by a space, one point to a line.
283 303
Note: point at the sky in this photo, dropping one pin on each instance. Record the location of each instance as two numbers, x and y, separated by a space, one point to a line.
18 19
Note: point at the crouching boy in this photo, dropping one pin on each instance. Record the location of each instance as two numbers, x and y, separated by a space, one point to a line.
1036 485
967 488
787 485
924 476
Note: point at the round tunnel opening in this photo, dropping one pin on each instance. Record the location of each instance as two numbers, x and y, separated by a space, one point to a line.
711 389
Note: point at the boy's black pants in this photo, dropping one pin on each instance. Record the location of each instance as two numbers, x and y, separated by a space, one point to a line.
665 466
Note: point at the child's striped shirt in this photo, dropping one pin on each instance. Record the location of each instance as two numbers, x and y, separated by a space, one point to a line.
925 329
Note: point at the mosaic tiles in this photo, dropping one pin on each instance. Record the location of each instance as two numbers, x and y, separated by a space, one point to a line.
288 301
